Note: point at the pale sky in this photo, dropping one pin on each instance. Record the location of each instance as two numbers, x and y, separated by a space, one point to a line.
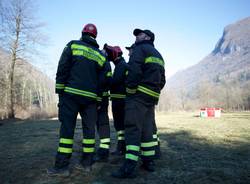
185 30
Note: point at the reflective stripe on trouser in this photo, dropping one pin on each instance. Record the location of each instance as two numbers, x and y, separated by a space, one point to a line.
104 143
139 128
102 124
68 111
120 135
132 152
88 145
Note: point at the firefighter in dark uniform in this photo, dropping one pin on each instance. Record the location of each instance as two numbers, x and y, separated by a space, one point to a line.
146 78
78 85
118 94
102 123
156 138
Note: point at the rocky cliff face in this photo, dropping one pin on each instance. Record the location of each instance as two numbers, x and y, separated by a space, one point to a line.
229 60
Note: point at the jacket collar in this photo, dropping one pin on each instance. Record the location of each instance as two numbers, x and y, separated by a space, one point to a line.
145 42
88 39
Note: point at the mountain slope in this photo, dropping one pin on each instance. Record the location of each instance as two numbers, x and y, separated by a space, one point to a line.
227 67
230 58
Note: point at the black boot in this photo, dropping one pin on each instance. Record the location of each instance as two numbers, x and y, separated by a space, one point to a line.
61 167
127 170
102 155
86 162
148 165
157 151
62 172
120 149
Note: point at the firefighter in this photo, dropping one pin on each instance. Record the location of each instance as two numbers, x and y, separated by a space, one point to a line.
118 94
102 123
77 84
146 78
156 138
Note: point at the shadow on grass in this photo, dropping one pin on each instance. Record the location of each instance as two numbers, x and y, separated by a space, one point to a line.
27 149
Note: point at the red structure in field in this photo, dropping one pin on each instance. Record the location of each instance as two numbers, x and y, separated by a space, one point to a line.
210 112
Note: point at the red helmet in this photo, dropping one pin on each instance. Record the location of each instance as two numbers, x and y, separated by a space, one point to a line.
90 29
113 51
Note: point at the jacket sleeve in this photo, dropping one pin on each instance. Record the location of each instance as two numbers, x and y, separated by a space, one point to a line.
163 79
104 78
63 69
135 64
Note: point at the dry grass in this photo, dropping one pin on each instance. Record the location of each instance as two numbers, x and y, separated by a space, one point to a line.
194 150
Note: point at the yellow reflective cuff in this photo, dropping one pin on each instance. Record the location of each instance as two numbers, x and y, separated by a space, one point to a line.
131 157
117 96
130 91
148 153
60 86
109 74
64 150
89 53
120 138
132 147
154 136
148 91
154 60
105 93
66 141
120 132
105 146
105 140
126 73
88 141
147 144
80 92
99 99
88 150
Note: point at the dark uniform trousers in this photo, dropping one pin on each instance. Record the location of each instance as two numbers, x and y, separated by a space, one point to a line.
103 127
118 112
139 130
156 138
68 111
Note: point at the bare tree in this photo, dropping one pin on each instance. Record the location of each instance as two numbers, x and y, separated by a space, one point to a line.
20 34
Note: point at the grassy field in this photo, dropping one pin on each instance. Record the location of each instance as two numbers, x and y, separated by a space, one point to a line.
194 150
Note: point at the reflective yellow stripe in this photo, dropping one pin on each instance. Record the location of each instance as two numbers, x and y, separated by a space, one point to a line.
155 143
109 74
154 136
105 140
64 150
131 157
88 150
120 138
60 86
89 53
126 73
66 141
117 96
105 93
88 141
154 60
99 99
80 92
147 144
148 91
120 132
106 146
132 147
131 91
148 153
